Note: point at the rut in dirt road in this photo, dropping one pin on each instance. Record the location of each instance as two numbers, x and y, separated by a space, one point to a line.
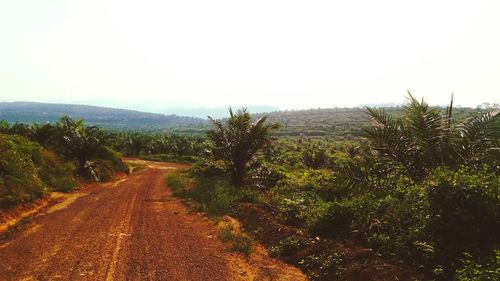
132 229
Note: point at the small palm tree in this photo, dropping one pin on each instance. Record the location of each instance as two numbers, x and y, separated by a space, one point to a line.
423 138
237 140
79 142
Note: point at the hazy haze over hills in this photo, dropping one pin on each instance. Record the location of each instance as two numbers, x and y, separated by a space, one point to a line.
312 122
111 118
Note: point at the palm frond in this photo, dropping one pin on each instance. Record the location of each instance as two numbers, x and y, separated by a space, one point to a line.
478 135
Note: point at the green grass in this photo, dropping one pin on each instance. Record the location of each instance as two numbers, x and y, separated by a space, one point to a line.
170 158
238 241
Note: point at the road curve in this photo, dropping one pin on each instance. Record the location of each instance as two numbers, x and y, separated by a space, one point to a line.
130 229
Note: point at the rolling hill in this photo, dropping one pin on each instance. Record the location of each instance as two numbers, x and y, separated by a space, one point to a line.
105 117
344 122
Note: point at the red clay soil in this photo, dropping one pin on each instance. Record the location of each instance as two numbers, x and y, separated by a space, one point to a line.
130 229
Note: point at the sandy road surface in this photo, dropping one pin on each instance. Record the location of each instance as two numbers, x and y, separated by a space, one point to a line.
131 229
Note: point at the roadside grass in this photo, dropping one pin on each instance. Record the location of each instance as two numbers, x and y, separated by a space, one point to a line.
237 240
212 195
216 198
169 158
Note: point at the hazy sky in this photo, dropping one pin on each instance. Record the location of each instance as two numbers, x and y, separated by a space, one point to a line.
290 54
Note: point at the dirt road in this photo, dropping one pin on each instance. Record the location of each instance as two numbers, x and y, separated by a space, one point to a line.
131 229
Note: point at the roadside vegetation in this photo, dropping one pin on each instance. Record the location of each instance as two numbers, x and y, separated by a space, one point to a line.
36 159
408 193
415 197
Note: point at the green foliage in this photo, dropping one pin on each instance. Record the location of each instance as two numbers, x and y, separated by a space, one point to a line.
19 174
315 157
324 266
170 158
424 190
58 175
27 171
249 195
288 246
242 243
295 208
239 241
159 146
335 221
221 201
74 142
464 209
213 195
267 175
237 141
177 183
472 271
423 139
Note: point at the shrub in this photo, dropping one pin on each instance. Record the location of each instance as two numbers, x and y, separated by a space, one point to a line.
293 207
267 175
242 243
104 166
472 271
239 241
176 182
464 211
324 266
288 246
59 175
249 195
335 221
19 173
27 171
221 202
315 157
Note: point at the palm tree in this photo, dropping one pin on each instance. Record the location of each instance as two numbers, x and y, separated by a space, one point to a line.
237 140
79 142
423 138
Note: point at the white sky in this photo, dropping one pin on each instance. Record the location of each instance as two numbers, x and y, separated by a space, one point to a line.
290 54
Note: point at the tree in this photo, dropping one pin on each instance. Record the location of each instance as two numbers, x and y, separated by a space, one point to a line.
79 142
237 140
423 138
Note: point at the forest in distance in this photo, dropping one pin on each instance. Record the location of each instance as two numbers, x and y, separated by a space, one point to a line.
342 122
409 192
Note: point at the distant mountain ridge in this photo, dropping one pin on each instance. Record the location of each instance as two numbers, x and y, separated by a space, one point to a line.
217 112
343 122
110 118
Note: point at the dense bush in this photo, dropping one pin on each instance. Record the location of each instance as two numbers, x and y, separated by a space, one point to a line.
86 147
57 174
431 222
335 221
288 246
104 167
27 171
423 191
464 210
213 195
473 271
324 266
